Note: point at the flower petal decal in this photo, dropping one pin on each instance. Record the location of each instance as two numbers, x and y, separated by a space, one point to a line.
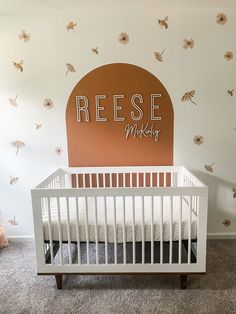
210 167
228 55
221 19
226 222
158 55
188 43
123 38
18 145
13 221
163 23
234 192
71 26
13 180
24 36
95 50
19 65
70 68
13 101
38 126
230 92
48 103
198 139
188 96
58 151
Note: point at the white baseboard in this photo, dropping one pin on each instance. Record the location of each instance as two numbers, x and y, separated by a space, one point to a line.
225 235
20 238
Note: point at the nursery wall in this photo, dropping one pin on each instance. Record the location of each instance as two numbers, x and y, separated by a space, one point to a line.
48 46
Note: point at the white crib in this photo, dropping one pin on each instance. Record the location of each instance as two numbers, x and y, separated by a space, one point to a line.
126 220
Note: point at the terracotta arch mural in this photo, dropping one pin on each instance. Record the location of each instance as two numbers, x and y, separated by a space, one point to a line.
119 114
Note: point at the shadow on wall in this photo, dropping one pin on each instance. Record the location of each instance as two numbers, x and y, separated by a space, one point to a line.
221 201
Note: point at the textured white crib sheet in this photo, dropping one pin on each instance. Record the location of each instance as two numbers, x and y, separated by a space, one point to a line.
101 229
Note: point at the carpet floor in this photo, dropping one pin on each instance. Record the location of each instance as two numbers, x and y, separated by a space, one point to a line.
23 292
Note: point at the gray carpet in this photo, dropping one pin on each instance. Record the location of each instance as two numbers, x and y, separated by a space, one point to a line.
22 291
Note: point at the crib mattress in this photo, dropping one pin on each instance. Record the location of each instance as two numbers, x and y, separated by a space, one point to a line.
118 226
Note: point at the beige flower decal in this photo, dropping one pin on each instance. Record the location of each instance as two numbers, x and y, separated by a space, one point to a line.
210 167
234 192
221 19
188 43
228 55
71 26
198 139
188 96
226 222
38 126
13 221
13 180
158 55
230 92
18 65
95 50
163 23
24 36
235 127
48 103
18 145
58 151
123 38
70 68
13 101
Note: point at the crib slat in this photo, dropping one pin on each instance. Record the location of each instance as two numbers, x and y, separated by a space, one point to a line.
152 229
189 230
144 179
115 235
50 230
161 231
171 229
96 230
110 177
151 179
158 180
103 180
77 230
77 180
131 179
164 178
124 232
68 229
138 180
143 233
87 229
105 218
97 180
84 181
180 230
124 183
133 227
90 180
117 179
59 229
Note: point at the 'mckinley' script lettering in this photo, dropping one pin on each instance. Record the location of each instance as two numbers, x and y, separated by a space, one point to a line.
145 130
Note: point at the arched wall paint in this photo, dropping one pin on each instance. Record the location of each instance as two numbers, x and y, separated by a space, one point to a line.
104 143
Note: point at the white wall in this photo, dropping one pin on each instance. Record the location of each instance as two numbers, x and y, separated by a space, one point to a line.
203 69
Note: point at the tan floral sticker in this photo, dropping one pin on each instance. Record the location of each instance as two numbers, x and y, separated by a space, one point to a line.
198 139
188 96
70 68
48 103
226 222
230 92
123 38
18 65
13 221
235 126
210 167
221 19
71 26
38 126
158 55
58 150
95 50
228 55
188 43
13 180
18 145
163 23
24 36
234 192
13 101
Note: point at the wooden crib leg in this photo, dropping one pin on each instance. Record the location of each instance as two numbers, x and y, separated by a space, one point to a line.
183 281
59 281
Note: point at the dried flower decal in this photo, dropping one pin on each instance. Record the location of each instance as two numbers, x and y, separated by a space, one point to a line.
24 36
226 222
38 126
13 180
95 50
18 65
230 92
18 145
228 55
210 167
71 26
188 96
48 103
235 127
13 101
123 38
13 221
158 55
198 139
163 23
188 43
234 192
58 150
70 68
221 19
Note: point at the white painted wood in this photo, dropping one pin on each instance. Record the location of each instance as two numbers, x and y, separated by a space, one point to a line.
96 230
106 241
68 229
87 230
59 230
180 229
143 232
171 230
50 230
152 230
161 231
133 228
77 230
189 231
115 235
124 232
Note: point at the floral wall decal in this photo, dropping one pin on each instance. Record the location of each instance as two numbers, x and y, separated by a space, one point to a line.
58 151
71 26
24 36
158 55
198 139
13 180
13 221
18 145
18 65
95 50
163 23
210 167
228 55
226 222
188 96
70 68
123 38
38 126
230 92
221 19
234 192
188 43
13 101
48 103
235 126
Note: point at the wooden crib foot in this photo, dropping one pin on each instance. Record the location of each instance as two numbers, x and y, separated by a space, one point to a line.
59 281
183 281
